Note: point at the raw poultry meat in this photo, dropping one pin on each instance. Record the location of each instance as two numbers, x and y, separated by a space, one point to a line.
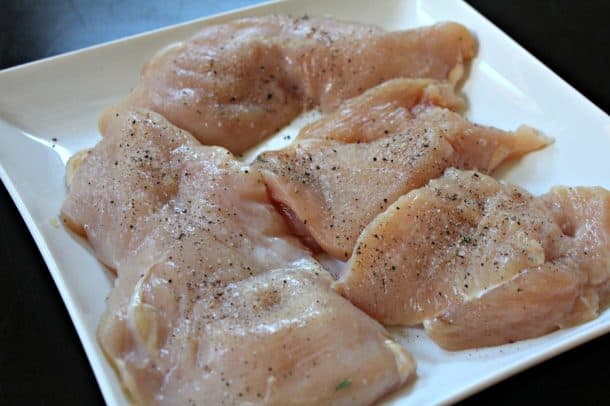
236 83
483 263
214 302
344 169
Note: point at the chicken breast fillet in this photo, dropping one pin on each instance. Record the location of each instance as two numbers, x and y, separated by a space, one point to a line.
236 83
215 303
483 263
350 165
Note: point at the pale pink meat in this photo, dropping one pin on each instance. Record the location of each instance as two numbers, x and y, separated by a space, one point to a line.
350 165
215 303
483 263
235 83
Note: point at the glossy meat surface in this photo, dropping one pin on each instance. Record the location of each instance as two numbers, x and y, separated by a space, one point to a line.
350 165
215 303
236 83
483 263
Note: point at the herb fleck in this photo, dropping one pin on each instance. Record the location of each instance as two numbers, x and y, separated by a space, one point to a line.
344 384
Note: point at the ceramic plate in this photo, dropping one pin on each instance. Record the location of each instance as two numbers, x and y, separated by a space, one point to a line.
49 110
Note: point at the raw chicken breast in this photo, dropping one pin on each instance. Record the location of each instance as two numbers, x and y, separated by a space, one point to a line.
235 83
583 213
573 289
280 337
483 263
344 169
534 302
214 302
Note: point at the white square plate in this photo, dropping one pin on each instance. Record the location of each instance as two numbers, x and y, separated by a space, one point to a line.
49 109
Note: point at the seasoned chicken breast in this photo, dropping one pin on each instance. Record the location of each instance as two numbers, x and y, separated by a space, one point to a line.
344 169
573 289
483 263
215 303
235 83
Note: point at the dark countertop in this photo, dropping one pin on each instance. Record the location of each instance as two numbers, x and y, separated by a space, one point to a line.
42 360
